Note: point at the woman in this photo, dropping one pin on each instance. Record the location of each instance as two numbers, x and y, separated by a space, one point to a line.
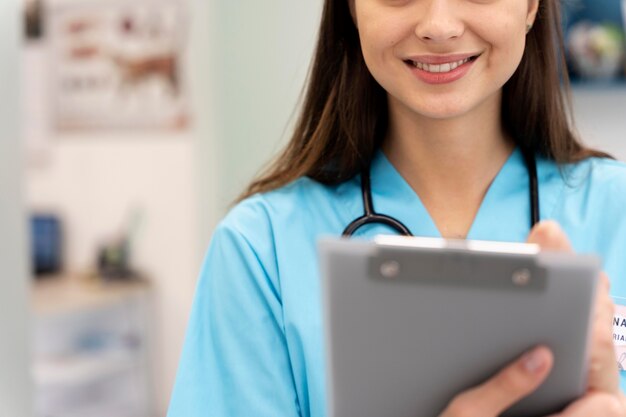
439 101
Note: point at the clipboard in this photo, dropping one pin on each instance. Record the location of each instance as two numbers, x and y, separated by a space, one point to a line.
412 322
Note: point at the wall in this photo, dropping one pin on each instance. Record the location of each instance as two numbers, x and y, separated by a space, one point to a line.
257 60
15 385
601 117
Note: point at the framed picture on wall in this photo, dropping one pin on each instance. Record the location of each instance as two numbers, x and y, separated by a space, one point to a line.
118 64
595 39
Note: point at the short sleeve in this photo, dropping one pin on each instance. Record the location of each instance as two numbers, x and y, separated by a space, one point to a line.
235 360
615 267
613 232
607 204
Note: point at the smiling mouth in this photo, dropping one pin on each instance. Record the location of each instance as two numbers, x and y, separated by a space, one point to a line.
441 68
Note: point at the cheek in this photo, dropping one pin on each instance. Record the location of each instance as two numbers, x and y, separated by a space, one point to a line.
379 32
507 39
506 31
377 53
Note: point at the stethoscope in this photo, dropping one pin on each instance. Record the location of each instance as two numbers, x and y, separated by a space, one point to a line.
370 216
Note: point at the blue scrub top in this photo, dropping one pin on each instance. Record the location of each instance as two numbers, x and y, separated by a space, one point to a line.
254 344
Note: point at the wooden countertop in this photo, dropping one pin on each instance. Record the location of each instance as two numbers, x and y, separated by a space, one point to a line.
72 293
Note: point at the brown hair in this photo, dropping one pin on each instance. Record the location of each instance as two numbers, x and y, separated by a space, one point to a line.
344 115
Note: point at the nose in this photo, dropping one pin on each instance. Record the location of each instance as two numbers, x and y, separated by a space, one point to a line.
439 22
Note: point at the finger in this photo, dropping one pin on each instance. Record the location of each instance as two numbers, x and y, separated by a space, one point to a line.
504 389
549 236
603 373
594 404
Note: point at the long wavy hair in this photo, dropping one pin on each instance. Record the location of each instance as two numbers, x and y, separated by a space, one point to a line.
344 116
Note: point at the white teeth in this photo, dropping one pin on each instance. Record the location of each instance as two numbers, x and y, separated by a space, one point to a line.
434 68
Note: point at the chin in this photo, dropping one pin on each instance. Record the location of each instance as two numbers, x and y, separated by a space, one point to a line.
442 111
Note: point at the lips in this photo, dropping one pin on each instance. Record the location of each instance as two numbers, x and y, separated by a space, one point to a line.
440 64
441 69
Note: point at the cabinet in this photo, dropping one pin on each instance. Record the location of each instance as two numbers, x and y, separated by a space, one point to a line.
91 353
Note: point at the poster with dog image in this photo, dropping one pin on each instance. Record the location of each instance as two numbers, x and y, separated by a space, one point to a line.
117 64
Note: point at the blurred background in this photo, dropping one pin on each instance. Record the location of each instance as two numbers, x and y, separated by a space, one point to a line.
139 124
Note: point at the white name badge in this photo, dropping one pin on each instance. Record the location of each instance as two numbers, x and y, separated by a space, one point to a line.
619 331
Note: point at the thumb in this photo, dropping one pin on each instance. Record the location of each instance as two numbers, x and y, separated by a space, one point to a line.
549 236
507 387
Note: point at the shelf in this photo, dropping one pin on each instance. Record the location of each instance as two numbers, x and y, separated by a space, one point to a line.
69 294
599 85
83 368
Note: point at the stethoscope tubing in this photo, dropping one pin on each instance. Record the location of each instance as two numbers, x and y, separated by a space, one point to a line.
370 216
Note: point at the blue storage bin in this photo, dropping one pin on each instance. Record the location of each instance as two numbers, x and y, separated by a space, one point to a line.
46 244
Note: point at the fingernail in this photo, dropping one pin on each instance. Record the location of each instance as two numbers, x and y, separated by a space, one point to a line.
534 362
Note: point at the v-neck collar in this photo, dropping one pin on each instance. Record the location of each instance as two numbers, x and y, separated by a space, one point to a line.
504 213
